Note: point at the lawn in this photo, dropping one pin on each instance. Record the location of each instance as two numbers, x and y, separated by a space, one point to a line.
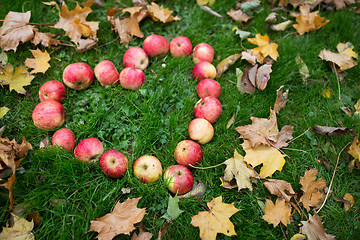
68 193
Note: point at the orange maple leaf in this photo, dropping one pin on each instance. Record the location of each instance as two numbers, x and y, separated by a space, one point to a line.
39 63
312 189
278 212
159 13
266 48
307 22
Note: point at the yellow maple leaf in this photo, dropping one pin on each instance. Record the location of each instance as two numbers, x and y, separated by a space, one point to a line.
20 230
266 48
342 60
16 79
3 111
354 149
270 157
39 63
308 21
347 48
312 188
215 220
159 13
278 212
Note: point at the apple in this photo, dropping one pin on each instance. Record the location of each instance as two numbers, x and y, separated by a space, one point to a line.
78 76
208 87
180 47
203 52
135 57
204 70
106 73
147 168
65 138
178 179
48 115
201 130
89 149
156 45
131 78
188 152
208 108
113 163
54 90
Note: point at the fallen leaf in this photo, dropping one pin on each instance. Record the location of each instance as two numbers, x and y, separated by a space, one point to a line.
226 63
303 69
163 230
120 221
15 30
45 142
266 48
307 22
314 230
143 235
173 210
159 13
346 110
236 168
354 149
263 76
331 131
247 55
251 7
281 98
350 200
46 39
313 189
278 212
339 4
284 136
238 15
343 61
3 111
16 78
347 48
280 188
270 157
271 18
326 93
20 230
242 34
244 85
197 191
3 59
228 125
298 236
40 62
215 220
280 26
357 107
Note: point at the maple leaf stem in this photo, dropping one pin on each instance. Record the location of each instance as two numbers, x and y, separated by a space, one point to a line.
332 178
299 135
27 22
207 209
203 168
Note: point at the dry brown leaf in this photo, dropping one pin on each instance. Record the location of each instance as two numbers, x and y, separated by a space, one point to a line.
228 125
281 98
343 61
265 47
281 26
163 230
16 78
143 235
263 76
247 55
226 63
21 230
46 39
215 220
278 212
331 131
158 13
307 22
238 15
40 62
15 30
270 157
284 136
197 191
120 221
280 188
313 189
357 107
236 168
245 85
350 200
354 149
314 230
339 4
271 18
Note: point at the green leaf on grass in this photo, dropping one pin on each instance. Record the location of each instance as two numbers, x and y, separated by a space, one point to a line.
173 210
242 34
251 7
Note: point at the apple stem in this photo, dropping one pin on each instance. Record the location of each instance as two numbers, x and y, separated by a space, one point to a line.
203 168
207 209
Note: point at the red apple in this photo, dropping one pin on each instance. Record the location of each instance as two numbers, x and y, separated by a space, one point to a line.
208 87
113 163
178 179
156 45
147 168
208 108
188 153
131 78
89 149
65 138
48 115
106 73
204 70
180 47
78 76
201 130
203 52
136 57
54 90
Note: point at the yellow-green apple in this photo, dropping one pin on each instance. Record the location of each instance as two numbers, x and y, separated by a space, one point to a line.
135 57
54 90
178 179
131 78
78 76
180 47
89 149
203 52
156 46
106 73
204 70
201 130
208 108
188 153
48 115
147 168
208 87
113 163
65 138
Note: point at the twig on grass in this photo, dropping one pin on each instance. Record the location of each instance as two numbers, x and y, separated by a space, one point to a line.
299 135
207 209
293 149
338 81
109 42
332 179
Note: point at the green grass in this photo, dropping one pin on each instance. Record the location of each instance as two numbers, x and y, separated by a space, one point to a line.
68 194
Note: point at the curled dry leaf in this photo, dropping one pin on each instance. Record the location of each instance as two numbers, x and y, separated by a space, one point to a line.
197 191
313 189
281 98
314 229
278 212
331 131
238 15
350 201
263 76
226 63
244 85
39 63
298 236
346 110
280 188
16 78
271 18
307 22
281 26
228 125
163 230
247 55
